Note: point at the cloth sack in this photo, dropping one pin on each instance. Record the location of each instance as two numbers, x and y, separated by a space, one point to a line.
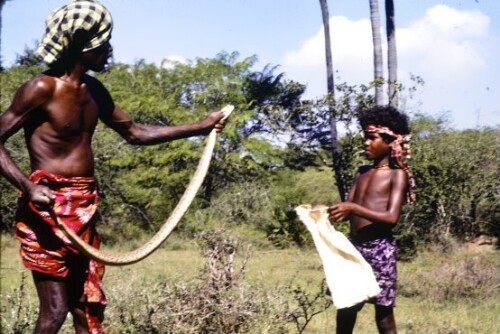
349 277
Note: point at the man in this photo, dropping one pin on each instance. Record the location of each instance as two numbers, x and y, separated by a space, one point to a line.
58 111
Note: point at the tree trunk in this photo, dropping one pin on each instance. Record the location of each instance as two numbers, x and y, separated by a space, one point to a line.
336 150
377 53
392 57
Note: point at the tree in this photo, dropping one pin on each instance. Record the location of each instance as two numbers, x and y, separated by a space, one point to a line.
336 151
392 62
392 59
377 52
29 57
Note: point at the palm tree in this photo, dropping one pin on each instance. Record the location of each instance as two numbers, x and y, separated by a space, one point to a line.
392 59
377 52
336 150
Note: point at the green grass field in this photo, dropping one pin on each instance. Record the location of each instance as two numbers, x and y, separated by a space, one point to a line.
440 293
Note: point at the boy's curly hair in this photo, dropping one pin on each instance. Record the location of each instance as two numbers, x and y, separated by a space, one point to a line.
385 116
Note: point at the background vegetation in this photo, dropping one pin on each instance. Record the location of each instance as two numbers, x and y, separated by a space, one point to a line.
192 290
273 156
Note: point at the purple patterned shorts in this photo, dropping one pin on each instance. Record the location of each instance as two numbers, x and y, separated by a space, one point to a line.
381 255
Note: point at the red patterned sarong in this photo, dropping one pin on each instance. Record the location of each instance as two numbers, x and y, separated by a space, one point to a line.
46 249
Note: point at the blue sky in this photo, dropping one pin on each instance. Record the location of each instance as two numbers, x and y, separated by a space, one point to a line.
453 45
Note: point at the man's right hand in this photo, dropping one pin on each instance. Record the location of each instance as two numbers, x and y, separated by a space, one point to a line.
41 197
215 121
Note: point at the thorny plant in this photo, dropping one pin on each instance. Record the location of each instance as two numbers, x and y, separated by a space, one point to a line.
16 315
308 306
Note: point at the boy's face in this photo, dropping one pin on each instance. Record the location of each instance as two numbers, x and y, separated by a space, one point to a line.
375 146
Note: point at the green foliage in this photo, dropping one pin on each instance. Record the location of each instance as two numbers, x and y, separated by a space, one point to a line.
29 57
290 189
143 184
458 179
267 206
273 155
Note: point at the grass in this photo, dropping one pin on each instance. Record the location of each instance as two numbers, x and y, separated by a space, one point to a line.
420 307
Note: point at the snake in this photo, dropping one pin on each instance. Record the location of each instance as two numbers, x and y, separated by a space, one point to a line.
138 254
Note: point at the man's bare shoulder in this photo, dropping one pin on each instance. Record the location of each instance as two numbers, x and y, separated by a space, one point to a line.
101 96
33 93
93 82
97 88
40 85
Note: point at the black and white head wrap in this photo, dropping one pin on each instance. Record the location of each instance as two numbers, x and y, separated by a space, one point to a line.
88 18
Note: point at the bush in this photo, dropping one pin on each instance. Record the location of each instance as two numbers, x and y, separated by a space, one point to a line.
219 301
458 183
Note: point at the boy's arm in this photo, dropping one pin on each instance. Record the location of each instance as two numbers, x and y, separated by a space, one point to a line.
344 210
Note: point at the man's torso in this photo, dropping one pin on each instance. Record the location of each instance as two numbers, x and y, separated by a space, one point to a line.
59 132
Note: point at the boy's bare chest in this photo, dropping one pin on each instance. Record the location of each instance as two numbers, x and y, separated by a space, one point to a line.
374 184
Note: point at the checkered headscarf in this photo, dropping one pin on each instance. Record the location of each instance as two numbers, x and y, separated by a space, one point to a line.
400 147
62 24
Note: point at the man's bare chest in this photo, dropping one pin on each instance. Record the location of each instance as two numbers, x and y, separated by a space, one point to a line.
71 112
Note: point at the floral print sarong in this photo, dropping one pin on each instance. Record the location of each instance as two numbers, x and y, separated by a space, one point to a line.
381 255
46 249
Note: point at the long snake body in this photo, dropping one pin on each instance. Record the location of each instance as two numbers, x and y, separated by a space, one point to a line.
121 259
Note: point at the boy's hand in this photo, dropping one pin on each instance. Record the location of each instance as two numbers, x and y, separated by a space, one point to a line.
340 212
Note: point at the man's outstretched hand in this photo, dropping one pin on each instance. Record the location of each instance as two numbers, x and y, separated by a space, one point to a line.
216 120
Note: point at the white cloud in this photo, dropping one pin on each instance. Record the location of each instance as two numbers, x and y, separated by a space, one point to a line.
445 44
447 47
351 50
351 42
453 22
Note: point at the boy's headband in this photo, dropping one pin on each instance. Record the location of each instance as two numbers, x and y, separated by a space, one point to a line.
400 147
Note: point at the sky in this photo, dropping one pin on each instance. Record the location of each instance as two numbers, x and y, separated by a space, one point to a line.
453 45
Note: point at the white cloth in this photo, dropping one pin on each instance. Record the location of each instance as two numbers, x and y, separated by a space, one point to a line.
349 277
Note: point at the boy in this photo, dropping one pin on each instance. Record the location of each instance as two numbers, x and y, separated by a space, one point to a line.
58 111
374 206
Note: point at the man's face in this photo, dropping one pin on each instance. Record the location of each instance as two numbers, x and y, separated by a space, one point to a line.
375 146
97 59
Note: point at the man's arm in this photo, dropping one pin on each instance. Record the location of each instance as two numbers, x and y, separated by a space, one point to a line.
28 98
343 210
141 134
